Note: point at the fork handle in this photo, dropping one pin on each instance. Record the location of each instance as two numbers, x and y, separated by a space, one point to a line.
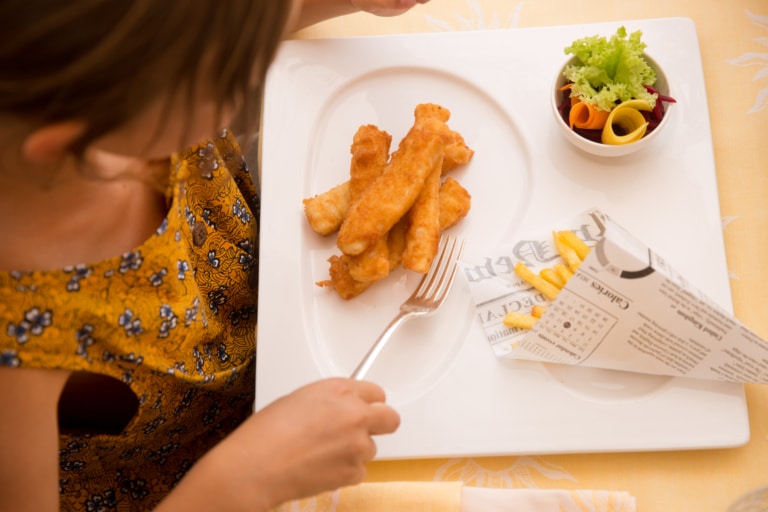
378 345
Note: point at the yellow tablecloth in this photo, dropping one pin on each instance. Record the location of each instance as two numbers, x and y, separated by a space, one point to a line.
733 36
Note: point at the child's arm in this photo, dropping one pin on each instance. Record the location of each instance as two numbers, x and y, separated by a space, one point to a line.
315 11
316 439
29 441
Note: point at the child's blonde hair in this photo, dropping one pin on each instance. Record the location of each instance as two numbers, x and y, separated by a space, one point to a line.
101 61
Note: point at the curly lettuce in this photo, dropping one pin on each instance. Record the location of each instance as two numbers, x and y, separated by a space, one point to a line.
610 71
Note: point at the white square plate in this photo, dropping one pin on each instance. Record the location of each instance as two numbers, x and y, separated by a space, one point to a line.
454 396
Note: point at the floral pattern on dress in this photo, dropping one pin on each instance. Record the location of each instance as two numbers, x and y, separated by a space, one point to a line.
173 319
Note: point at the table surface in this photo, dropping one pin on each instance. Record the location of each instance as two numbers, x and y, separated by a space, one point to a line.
733 38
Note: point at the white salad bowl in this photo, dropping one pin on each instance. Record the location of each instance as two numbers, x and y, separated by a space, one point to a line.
610 150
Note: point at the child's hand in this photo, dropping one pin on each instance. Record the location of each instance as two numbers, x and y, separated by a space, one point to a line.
316 439
386 7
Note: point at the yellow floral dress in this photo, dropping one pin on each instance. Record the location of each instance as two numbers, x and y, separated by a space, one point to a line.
174 320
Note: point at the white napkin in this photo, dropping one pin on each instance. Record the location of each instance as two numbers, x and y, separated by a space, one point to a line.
455 497
478 499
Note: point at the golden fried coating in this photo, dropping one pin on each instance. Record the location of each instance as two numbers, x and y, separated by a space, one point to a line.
454 205
341 281
431 110
390 196
396 242
370 152
423 235
325 212
455 202
393 208
372 264
456 153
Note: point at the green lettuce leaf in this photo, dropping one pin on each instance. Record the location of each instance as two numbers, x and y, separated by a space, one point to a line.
609 71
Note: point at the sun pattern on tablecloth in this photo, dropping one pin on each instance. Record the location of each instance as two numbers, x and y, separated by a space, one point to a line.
759 59
520 474
324 502
478 19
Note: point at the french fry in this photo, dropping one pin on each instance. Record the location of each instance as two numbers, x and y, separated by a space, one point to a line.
551 277
519 320
563 272
570 256
574 242
529 276
550 280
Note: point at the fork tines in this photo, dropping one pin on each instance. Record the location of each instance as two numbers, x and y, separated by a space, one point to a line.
438 282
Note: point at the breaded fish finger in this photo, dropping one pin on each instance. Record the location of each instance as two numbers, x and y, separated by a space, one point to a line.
457 153
423 235
431 110
325 212
370 152
455 203
390 196
341 281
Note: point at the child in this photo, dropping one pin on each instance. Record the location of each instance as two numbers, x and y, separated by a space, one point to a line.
128 276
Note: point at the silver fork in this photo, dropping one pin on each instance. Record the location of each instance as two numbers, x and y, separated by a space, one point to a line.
430 294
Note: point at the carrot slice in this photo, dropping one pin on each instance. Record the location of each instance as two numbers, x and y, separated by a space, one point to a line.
587 116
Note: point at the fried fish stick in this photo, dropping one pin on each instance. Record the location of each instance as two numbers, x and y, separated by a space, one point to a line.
341 281
431 111
390 196
456 152
370 152
455 203
347 287
396 242
423 234
325 212
372 264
